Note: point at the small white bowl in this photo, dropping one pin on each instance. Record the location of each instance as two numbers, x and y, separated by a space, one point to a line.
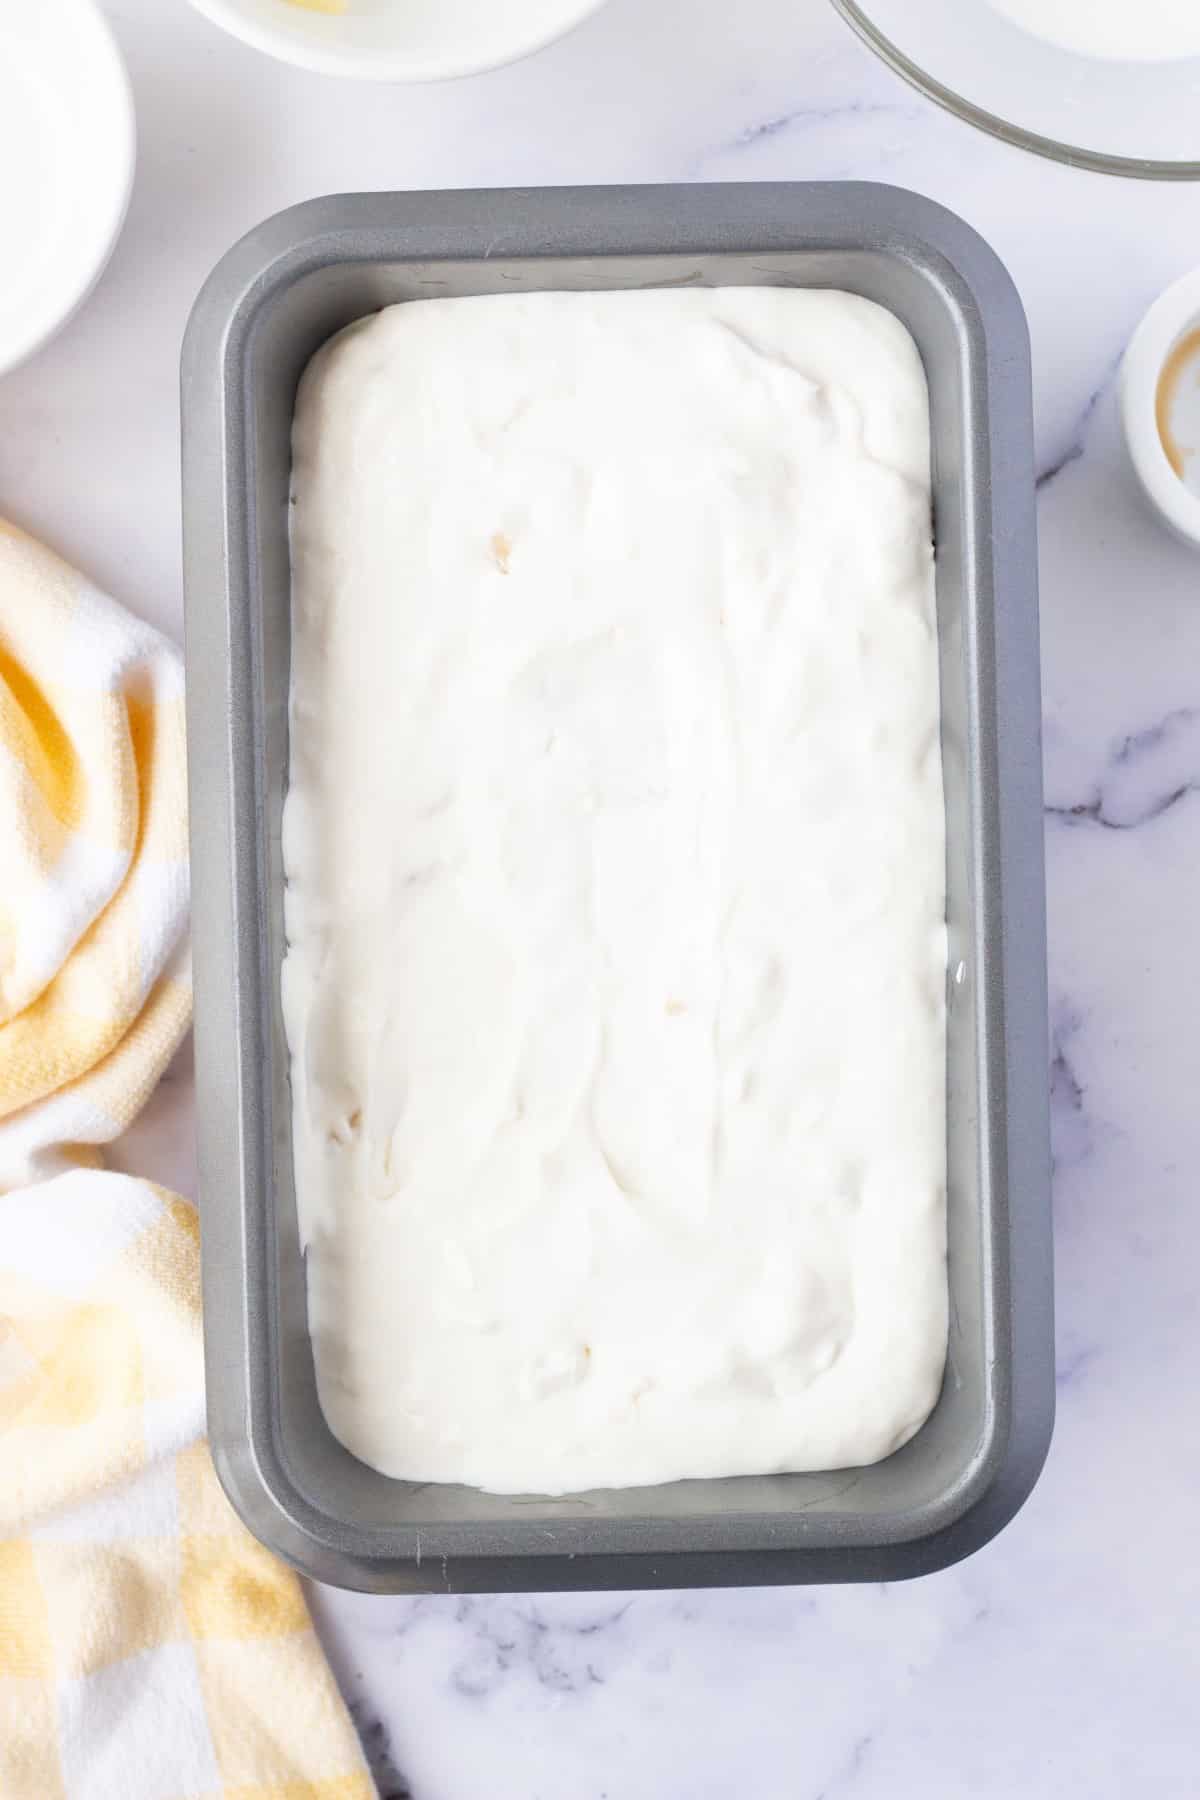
67 152
399 40
1173 315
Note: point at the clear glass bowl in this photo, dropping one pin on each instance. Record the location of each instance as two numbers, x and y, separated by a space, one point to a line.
1124 118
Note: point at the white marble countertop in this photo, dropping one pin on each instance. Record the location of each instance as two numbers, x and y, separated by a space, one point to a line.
1062 1662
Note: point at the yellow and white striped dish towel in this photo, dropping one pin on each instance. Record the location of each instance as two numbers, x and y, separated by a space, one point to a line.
150 1649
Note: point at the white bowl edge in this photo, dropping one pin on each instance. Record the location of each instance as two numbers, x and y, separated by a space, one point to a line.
1171 315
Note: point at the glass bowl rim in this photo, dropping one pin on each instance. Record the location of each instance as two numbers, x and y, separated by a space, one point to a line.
1074 155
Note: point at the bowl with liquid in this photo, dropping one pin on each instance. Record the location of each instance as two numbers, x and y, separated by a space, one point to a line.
398 40
1111 85
1160 406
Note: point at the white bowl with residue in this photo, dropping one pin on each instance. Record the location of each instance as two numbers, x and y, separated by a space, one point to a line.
1160 406
398 40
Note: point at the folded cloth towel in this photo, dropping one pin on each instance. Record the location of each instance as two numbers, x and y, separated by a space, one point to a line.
150 1649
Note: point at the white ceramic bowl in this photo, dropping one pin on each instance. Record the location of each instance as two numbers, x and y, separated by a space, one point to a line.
398 40
67 151
1173 317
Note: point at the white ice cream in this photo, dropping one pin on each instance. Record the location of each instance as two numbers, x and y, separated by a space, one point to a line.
614 845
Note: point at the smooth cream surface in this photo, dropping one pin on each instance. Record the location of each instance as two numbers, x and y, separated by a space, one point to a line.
614 985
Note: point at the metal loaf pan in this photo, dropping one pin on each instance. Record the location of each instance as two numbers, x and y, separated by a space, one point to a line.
273 299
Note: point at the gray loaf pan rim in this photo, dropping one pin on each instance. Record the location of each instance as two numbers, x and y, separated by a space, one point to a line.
270 302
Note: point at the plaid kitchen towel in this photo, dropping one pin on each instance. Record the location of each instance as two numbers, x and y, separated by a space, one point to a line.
150 1649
